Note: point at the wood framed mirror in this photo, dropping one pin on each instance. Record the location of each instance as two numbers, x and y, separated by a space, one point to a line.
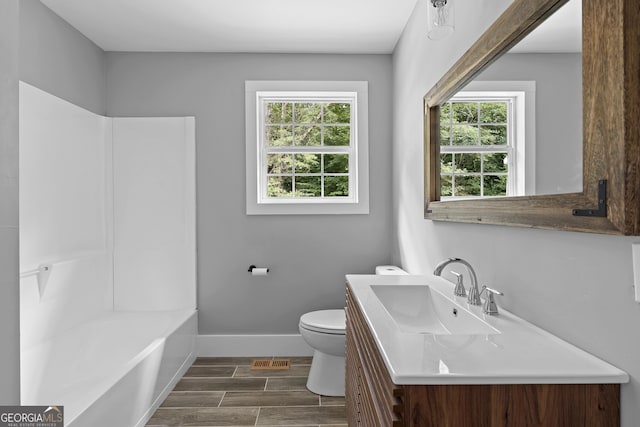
610 199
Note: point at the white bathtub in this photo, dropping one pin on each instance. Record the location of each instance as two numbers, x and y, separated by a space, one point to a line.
114 370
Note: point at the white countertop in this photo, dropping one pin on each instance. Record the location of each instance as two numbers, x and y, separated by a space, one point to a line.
520 353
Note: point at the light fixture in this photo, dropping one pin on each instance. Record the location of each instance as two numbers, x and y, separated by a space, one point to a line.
441 19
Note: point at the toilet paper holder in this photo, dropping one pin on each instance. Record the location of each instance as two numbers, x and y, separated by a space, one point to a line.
253 267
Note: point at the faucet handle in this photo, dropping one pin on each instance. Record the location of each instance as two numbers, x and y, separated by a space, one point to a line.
459 291
490 307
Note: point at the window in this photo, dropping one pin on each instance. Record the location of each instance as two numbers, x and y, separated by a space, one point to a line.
307 144
306 147
476 147
482 135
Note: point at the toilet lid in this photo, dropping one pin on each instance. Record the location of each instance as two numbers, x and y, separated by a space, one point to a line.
325 321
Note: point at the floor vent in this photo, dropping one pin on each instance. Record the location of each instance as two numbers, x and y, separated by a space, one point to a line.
270 364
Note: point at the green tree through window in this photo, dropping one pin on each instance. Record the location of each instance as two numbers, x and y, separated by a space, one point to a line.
475 146
307 144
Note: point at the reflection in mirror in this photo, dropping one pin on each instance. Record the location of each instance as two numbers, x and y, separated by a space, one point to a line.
517 128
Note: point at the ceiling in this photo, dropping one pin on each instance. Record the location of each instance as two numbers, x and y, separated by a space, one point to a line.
291 26
287 26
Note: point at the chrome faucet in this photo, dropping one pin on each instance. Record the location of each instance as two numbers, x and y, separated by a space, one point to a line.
474 293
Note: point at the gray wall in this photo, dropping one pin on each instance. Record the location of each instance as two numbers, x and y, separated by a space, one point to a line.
58 59
9 284
558 78
308 254
575 285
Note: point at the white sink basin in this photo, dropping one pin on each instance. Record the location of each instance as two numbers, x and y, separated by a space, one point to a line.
422 341
422 310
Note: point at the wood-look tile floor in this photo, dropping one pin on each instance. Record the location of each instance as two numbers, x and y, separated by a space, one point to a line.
224 391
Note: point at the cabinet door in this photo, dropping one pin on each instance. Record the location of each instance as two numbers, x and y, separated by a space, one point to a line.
372 398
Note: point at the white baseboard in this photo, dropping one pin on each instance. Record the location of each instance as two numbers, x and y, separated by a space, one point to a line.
252 345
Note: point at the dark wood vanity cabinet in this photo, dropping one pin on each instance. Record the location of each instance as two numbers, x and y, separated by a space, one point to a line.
373 400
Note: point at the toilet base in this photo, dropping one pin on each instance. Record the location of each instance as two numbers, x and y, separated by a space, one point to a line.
327 374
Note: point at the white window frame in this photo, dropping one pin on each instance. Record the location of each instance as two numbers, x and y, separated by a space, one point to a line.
259 92
521 144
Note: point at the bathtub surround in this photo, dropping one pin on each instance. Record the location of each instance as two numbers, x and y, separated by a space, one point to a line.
65 179
154 205
110 205
9 285
575 285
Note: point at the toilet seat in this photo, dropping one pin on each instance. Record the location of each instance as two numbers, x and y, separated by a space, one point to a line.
325 321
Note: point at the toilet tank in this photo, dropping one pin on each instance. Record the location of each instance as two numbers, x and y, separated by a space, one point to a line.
390 270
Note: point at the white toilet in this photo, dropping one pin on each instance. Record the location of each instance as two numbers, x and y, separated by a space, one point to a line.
324 331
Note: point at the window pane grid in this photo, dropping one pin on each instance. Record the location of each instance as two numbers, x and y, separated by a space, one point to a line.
327 174
475 145
473 117
327 125
474 149
469 173
313 124
298 179
307 148
294 186
305 131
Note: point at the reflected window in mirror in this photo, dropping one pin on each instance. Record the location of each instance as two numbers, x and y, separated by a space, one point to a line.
487 131
607 138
